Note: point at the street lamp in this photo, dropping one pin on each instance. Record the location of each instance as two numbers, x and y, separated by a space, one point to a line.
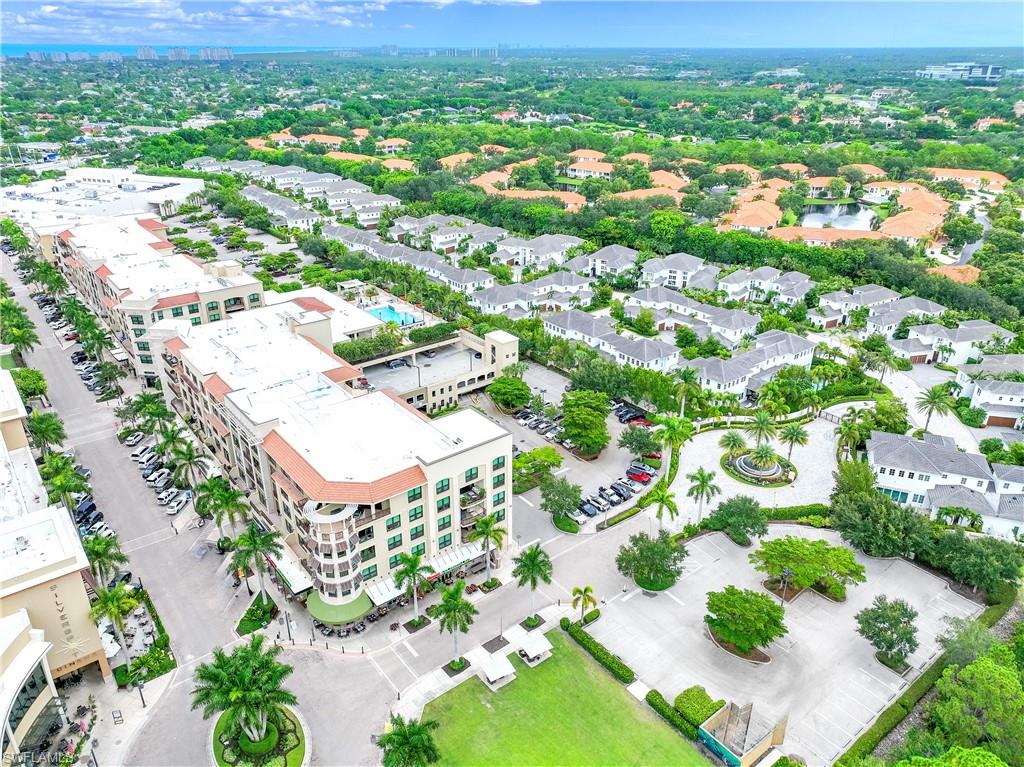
786 575
139 685
288 623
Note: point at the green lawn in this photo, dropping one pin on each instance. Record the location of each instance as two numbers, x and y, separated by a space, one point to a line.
567 711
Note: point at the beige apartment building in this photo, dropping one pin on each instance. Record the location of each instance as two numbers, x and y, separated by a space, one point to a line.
350 477
28 697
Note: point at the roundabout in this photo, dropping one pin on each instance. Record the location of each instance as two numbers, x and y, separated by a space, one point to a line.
284 743
759 468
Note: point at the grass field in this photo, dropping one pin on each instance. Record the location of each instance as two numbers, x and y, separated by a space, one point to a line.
567 711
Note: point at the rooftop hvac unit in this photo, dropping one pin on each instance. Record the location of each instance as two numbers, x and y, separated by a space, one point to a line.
90 194
128 187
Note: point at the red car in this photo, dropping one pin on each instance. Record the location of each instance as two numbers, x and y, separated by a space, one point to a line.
639 476
641 422
71 335
655 456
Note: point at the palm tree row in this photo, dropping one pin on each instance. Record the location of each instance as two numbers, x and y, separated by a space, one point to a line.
16 329
218 500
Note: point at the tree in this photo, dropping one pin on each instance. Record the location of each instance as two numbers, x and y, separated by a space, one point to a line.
559 496
251 550
488 530
115 605
189 465
687 381
743 618
792 434
104 555
703 489
585 420
169 439
889 626
764 457
935 400
653 563
509 393
638 441
733 443
957 756
21 338
663 499
965 640
455 612
583 598
45 430
247 686
960 230
216 499
30 383
672 433
533 566
761 427
871 521
409 743
410 575
740 518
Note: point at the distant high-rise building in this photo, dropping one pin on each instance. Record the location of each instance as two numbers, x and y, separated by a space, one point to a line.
58 56
110 57
146 53
216 54
475 53
492 53
36 56
79 56
177 54
451 52
962 70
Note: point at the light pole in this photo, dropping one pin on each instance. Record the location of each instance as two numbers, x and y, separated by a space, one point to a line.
786 575
139 685
288 623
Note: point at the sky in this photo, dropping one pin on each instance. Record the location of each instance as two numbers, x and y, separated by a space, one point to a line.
303 24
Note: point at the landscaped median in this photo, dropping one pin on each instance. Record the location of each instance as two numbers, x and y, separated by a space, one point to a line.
283 746
640 504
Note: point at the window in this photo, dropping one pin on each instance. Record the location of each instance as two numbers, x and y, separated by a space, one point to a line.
370 572
143 346
499 498
368 553
444 541
444 503
918 498
499 480
499 514
416 532
138 333
214 317
254 298
901 473
442 486
394 561
910 475
137 319
394 542
212 306
193 308
160 315
472 474
415 513
498 462
444 522
146 359
415 494
393 522
419 548
366 535
197 320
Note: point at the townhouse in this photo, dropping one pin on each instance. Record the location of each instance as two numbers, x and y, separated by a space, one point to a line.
884 319
673 309
128 274
745 373
283 211
587 155
351 478
412 231
986 180
955 346
582 169
365 207
1002 401
675 270
614 260
280 176
765 283
822 237
837 306
391 146
453 161
322 139
553 292
464 238
598 333
990 366
819 186
933 474
541 251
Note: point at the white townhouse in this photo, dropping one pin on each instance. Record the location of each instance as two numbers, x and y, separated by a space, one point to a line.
283 211
956 346
842 302
1002 401
673 271
745 373
932 473
764 282
406 229
590 169
540 251
598 333
672 309
991 366
884 319
448 239
282 176
462 280
554 292
365 206
615 260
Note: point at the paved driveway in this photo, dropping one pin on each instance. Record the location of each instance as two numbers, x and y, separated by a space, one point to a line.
822 674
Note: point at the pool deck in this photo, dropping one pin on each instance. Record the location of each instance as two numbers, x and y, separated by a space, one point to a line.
389 313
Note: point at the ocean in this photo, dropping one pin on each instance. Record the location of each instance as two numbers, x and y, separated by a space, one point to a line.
20 50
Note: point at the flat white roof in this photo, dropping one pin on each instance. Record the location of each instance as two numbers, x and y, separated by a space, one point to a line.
346 319
11 406
21 487
38 547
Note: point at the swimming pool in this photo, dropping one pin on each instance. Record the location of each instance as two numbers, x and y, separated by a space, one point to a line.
391 314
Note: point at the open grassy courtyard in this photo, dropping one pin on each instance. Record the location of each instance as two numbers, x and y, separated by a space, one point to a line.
567 711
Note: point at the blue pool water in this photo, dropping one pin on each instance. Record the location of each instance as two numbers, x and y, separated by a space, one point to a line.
391 314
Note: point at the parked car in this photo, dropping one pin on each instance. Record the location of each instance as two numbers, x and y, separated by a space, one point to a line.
395 364
632 484
151 468
643 467
134 438
87 506
577 516
641 422
78 357
163 483
568 444
610 495
157 475
90 519
71 335
124 576
623 490
140 450
589 509
653 456
177 505
167 496
83 470
599 502
102 529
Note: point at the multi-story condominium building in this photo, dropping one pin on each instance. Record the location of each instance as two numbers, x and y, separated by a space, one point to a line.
283 211
932 473
350 478
598 333
541 251
744 374
145 53
962 70
28 695
128 274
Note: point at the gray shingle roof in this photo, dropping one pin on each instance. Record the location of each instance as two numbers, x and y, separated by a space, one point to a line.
933 455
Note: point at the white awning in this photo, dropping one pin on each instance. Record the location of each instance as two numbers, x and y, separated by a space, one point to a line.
497 667
383 590
291 571
451 559
535 644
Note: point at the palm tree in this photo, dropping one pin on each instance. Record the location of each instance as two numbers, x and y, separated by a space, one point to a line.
532 567
188 465
104 555
761 427
703 489
583 598
45 430
216 499
487 530
246 685
733 443
687 378
764 456
61 485
884 361
168 439
408 743
410 574
792 434
665 500
849 434
115 605
935 400
21 338
672 432
455 613
252 548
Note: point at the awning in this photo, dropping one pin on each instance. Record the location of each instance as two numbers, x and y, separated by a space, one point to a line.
496 667
337 615
383 590
452 559
291 571
535 644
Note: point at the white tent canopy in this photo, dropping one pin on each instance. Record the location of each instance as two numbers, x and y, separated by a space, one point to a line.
497 667
535 644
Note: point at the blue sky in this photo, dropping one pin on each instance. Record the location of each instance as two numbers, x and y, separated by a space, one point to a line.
528 23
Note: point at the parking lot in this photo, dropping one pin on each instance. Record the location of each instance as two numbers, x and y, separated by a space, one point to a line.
271 245
822 675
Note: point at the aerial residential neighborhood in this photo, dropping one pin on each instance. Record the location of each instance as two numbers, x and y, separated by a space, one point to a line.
573 384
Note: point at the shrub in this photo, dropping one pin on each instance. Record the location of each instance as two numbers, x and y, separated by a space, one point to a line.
591 616
696 705
815 520
971 416
433 333
784 513
567 525
564 623
661 706
259 747
362 349
602 655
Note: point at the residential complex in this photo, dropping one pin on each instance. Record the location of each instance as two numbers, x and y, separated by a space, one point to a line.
745 373
599 333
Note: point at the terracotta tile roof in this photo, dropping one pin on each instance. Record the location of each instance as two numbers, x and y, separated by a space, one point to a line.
283 136
639 157
758 214
972 177
587 154
217 424
915 224
66 235
103 271
821 181
454 160
871 171
532 161
74 263
162 245
667 179
397 163
490 178
494 149
360 133
644 194
288 487
217 387
822 234
108 302
175 345
965 274
311 304
394 142
256 143
322 138
318 487
184 298
571 200
754 173
794 167
152 225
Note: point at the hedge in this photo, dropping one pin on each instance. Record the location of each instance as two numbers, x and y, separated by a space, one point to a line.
785 513
591 616
433 333
665 710
696 706
567 524
601 654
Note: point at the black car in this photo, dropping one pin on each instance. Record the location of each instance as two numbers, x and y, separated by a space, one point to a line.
85 507
89 521
79 356
153 468
124 576
622 490
589 509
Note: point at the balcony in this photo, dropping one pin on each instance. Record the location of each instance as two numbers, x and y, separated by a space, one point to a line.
470 516
473 497
234 305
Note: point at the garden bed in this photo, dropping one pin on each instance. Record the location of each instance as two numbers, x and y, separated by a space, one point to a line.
488 586
776 589
532 622
788 469
455 667
288 749
258 615
566 525
901 669
654 586
754 656
412 626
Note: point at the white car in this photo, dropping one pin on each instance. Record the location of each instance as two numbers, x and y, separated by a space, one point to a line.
167 496
135 438
156 476
102 529
177 505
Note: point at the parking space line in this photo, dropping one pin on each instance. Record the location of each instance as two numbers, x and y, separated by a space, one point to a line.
675 599
376 665
821 735
630 595
882 680
845 694
408 647
873 693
